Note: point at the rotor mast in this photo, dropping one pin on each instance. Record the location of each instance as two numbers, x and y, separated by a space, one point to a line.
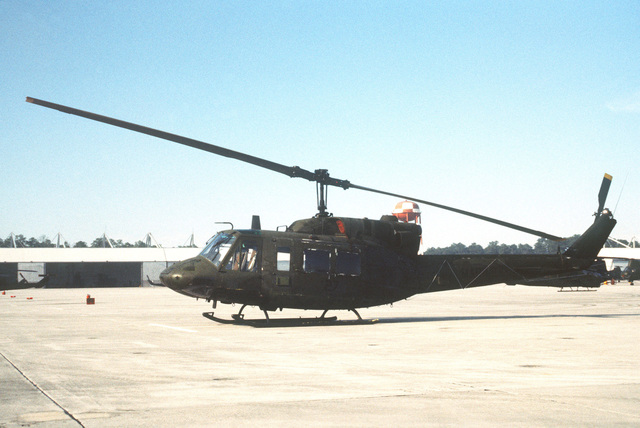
322 192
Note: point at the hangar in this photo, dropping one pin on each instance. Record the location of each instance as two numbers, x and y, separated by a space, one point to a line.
91 267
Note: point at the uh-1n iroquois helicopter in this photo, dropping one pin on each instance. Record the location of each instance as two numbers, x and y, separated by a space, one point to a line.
339 263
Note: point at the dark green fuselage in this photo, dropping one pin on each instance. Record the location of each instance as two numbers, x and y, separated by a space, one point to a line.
363 266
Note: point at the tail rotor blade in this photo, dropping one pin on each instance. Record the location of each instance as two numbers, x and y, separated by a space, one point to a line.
604 190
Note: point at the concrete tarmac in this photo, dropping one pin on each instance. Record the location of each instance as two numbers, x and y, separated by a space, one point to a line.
492 356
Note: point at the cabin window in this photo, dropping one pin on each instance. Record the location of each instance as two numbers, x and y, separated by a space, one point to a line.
316 260
245 258
348 263
218 247
283 259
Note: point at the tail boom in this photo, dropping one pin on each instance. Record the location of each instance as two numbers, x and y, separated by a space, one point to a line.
577 266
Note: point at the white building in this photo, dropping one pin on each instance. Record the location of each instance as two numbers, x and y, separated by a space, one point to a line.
91 267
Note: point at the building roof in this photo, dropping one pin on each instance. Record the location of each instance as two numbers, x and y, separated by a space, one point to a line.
77 255
620 253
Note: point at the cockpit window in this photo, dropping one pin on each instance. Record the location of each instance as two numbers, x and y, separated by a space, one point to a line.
218 247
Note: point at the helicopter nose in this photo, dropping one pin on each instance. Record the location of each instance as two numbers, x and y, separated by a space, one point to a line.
173 278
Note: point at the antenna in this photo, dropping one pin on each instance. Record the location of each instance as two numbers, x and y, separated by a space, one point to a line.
59 239
106 239
618 242
620 195
191 242
150 239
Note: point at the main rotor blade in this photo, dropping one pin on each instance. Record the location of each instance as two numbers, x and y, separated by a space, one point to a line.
604 190
320 176
291 171
463 212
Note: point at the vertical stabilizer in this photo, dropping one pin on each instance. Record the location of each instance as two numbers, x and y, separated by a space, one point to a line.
592 240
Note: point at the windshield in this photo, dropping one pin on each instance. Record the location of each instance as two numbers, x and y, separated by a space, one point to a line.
218 247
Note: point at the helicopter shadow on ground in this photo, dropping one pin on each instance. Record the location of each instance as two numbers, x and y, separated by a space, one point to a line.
316 322
399 320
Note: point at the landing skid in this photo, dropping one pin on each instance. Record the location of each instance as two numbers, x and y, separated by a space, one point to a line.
271 322
238 319
577 289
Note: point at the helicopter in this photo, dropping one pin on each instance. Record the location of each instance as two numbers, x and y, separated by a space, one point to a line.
339 263
632 272
23 284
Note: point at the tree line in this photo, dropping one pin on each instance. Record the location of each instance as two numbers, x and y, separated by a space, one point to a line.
22 241
542 246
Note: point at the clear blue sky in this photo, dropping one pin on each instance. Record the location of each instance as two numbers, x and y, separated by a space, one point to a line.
509 109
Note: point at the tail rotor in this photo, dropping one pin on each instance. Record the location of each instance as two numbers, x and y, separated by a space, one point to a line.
602 194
